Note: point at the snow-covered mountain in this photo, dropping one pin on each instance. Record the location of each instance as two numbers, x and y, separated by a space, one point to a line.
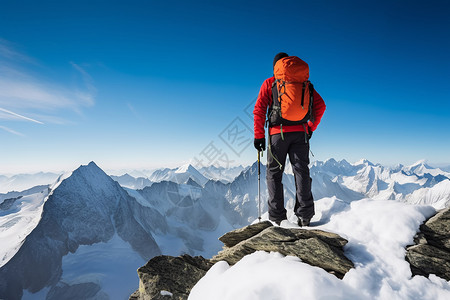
415 184
22 182
178 175
126 180
221 173
370 206
86 208
87 234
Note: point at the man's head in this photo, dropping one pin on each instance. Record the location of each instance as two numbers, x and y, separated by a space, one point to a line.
278 57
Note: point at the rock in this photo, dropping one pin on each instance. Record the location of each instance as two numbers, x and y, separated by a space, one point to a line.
426 259
8 203
431 254
437 229
234 237
167 277
315 247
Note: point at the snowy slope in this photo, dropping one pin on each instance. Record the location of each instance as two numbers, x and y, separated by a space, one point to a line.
195 216
378 232
20 215
18 221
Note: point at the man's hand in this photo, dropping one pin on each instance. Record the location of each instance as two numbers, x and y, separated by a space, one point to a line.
310 132
260 144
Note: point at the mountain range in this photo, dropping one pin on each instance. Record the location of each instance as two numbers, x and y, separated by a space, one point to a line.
84 235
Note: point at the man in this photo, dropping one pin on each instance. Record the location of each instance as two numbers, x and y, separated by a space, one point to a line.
284 140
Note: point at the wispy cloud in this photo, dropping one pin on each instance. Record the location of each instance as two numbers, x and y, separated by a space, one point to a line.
19 116
7 51
135 112
25 93
11 131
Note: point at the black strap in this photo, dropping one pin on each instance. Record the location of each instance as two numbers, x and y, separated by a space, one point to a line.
303 94
311 102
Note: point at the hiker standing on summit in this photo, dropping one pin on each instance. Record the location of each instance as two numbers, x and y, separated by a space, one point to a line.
293 109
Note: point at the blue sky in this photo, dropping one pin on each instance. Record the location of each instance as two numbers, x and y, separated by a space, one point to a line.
144 84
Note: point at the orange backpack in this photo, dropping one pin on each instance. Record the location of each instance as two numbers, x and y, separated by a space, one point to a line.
292 93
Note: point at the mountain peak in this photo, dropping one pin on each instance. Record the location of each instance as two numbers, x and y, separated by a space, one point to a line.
420 163
363 161
330 161
91 172
92 164
185 168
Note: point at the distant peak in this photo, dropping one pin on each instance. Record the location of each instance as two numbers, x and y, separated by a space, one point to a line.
419 162
344 161
363 161
185 168
330 161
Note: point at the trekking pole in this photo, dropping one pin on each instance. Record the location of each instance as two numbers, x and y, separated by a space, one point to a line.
259 188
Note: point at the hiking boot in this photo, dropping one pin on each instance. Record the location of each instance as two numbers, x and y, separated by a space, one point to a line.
278 222
303 222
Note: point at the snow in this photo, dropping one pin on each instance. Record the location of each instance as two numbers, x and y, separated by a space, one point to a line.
221 173
377 233
378 209
111 265
178 175
264 276
17 222
166 293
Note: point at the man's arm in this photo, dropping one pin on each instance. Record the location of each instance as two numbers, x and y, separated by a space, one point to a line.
318 111
259 113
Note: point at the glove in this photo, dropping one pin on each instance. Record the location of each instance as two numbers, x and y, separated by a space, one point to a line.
310 132
260 144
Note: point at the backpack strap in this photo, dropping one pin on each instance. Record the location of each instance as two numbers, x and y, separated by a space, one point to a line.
275 101
311 102
303 93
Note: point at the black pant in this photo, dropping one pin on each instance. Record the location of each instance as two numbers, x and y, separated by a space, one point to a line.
297 147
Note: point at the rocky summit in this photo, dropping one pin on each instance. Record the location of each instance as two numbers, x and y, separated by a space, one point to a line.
315 247
431 253
166 277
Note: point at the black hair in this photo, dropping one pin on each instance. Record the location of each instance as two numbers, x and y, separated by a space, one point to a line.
278 57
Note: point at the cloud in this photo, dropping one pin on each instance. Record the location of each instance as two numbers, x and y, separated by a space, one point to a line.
19 116
25 91
135 112
11 131
8 52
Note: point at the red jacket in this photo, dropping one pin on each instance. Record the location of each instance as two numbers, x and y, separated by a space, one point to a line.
265 100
